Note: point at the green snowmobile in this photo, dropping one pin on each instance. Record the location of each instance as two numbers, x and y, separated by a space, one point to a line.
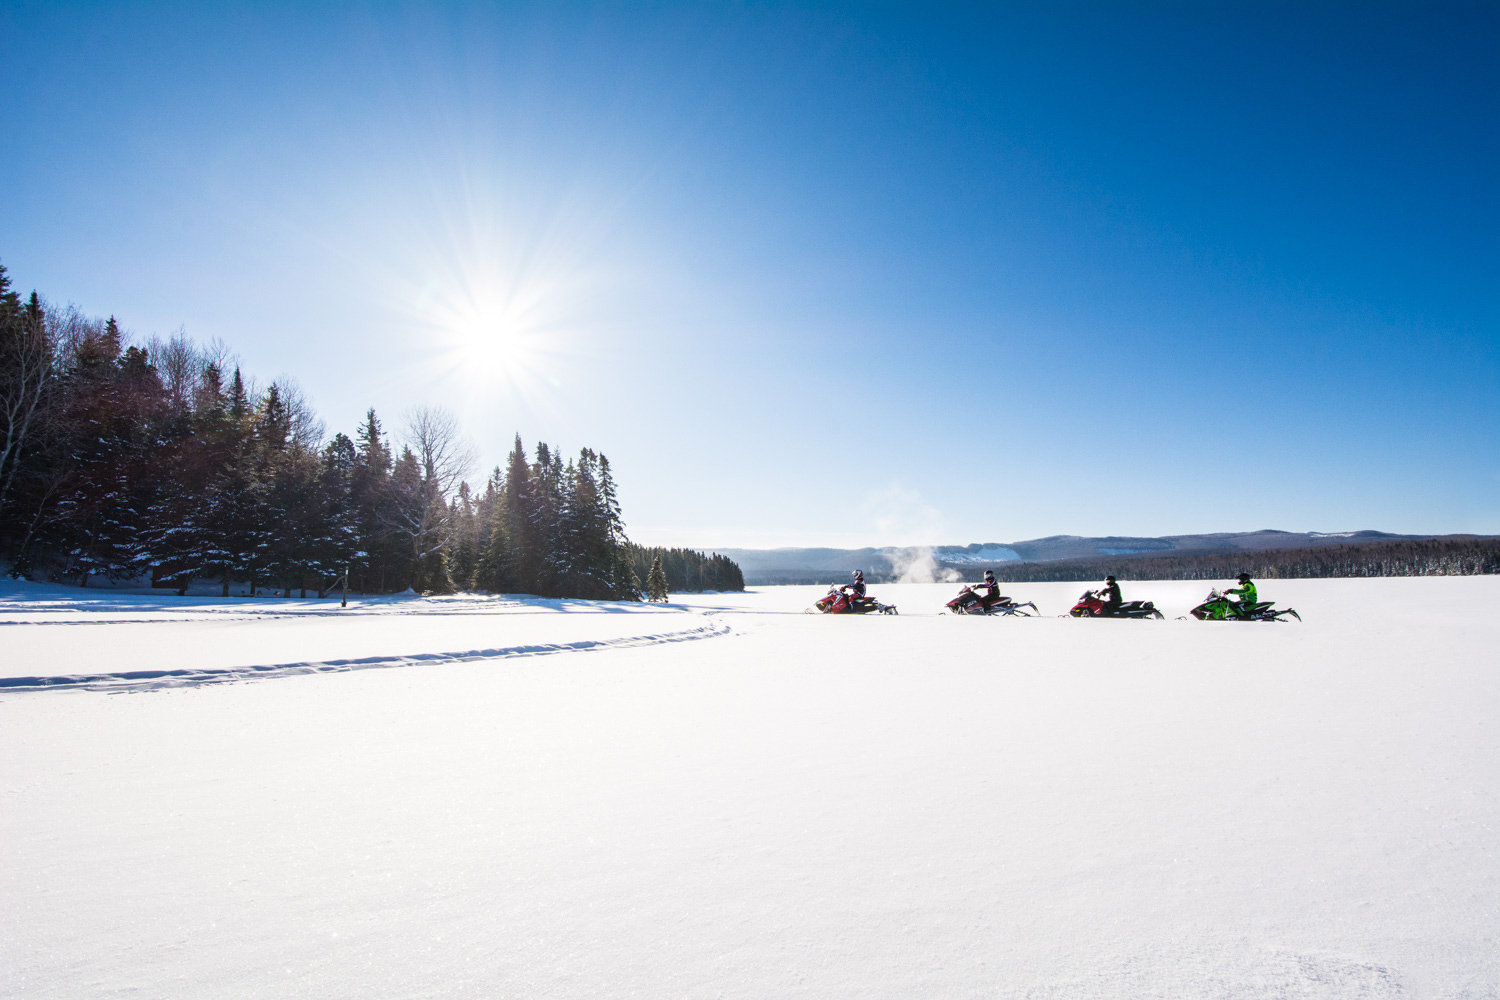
1219 608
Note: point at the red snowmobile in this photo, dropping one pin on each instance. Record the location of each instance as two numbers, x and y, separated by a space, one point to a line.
840 602
968 602
1091 605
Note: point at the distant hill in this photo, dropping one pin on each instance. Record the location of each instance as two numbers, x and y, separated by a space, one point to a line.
824 565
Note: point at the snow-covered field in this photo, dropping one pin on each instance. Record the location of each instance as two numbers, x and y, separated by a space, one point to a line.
728 798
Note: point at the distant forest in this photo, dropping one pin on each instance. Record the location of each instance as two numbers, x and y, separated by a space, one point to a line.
1450 555
1453 555
688 571
163 462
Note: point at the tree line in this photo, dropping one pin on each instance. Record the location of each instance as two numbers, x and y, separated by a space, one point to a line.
688 571
1453 555
164 461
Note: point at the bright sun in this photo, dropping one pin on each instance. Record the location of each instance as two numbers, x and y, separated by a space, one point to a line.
485 340
483 336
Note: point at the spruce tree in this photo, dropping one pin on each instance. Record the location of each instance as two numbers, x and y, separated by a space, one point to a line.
370 494
337 543
239 400
656 582
519 536
495 568
463 560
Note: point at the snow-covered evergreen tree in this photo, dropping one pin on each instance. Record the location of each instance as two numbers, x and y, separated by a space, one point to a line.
656 582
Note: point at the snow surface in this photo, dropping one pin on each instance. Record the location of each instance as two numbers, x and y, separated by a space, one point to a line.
728 798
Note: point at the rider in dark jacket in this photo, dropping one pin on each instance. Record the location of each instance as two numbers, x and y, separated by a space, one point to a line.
1111 595
989 590
857 588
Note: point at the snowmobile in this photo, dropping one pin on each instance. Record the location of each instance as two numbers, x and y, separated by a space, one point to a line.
840 602
1218 608
1091 605
968 602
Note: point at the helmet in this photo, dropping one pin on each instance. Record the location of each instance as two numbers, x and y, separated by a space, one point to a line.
1244 578
989 574
1109 579
859 574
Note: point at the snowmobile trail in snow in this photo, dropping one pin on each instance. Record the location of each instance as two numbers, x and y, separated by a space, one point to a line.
147 680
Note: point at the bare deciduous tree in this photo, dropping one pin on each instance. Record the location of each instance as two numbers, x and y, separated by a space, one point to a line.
442 458
446 458
305 426
179 364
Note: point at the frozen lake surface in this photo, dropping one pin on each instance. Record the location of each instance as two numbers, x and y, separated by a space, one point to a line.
490 797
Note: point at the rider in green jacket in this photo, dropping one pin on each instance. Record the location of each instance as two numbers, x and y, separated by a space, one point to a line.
1245 592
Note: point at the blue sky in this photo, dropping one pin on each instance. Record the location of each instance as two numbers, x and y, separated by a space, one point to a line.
814 274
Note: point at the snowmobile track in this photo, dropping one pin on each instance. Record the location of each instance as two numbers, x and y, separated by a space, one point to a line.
149 680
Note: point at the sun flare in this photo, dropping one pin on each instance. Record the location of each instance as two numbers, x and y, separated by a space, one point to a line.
485 341
484 336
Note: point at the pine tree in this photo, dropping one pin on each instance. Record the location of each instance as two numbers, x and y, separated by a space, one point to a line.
337 543
465 547
239 400
96 521
370 492
656 582
495 568
547 552
624 584
520 532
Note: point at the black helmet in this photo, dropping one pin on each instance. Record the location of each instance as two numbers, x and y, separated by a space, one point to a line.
1109 579
1244 578
989 574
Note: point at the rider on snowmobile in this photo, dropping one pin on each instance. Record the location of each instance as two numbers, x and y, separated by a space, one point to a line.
988 591
857 588
1245 593
1110 593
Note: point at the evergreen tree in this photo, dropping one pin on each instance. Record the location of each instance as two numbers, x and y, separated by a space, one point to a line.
656 581
239 399
95 521
520 523
495 568
624 584
370 489
336 545
464 521
412 563
178 536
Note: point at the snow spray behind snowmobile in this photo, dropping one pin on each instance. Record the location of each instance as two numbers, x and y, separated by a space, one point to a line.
840 602
968 602
1091 605
1218 608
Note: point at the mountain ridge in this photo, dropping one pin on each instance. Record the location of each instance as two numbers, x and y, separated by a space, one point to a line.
816 564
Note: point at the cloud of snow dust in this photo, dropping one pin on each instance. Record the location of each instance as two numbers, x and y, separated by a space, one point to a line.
917 565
